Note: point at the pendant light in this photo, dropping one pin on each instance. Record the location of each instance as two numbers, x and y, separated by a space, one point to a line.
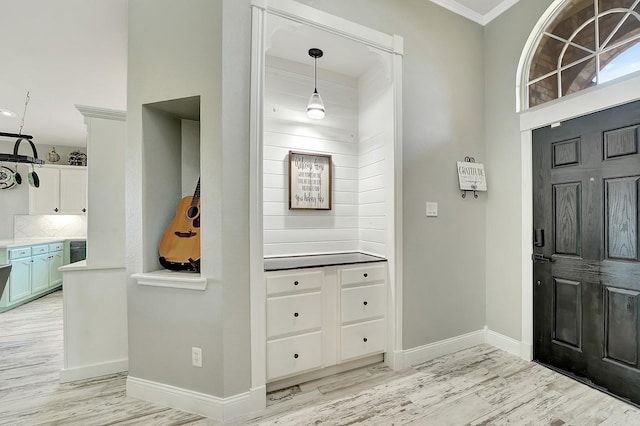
315 108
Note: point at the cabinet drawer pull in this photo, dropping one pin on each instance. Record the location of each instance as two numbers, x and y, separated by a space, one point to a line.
295 283
366 275
364 340
295 314
365 303
55 210
296 356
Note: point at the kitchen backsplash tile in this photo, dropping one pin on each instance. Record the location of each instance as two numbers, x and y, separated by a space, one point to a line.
49 226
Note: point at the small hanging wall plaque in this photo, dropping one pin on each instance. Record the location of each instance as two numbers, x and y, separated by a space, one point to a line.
309 181
471 176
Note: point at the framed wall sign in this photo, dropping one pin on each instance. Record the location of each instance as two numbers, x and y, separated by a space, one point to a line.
471 176
309 181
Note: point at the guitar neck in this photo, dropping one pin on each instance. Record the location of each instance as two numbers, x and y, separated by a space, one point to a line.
196 195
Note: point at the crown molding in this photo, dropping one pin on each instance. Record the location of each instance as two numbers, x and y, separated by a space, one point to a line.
498 10
471 14
461 10
109 114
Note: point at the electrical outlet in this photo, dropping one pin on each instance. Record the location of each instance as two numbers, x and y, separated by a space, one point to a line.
196 357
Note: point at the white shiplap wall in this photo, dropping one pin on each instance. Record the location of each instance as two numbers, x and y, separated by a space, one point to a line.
375 160
357 219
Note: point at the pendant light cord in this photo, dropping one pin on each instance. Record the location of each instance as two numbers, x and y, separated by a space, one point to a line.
315 75
26 103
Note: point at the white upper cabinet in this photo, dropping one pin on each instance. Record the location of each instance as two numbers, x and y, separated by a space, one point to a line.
73 190
62 190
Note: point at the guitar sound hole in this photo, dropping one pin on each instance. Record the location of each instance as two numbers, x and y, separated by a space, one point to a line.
192 212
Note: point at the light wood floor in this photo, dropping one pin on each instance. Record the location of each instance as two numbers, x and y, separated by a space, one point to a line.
478 386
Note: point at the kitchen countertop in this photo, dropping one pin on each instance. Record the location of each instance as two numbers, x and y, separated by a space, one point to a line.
19 242
318 260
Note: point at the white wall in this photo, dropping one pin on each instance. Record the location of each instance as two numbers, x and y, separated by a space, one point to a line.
287 128
356 131
107 139
190 155
375 160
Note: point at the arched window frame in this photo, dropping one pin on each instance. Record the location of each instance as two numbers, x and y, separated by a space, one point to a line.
539 31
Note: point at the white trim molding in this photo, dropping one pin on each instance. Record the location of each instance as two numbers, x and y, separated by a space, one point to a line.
171 279
431 351
505 343
461 10
95 112
95 370
498 10
420 354
194 402
472 15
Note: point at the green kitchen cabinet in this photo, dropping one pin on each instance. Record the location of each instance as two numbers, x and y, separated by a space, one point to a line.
34 272
56 260
20 279
39 273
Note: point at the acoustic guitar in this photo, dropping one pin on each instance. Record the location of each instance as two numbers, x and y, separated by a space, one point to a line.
180 245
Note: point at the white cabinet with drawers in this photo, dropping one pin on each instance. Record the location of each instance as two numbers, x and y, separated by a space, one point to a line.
320 317
363 295
294 322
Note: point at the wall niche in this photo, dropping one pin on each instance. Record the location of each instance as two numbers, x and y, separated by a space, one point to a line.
171 171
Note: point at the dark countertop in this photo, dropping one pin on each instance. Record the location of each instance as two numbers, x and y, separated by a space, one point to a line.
318 260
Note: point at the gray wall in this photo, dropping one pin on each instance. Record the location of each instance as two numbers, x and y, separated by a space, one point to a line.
176 51
505 38
451 263
443 103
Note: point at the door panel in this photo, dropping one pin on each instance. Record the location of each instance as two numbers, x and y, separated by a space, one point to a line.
587 280
622 326
566 204
621 142
622 218
567 313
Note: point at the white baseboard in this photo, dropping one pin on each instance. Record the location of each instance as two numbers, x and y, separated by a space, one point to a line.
507 344
428 352
94 370
395 360
526 351
503 342
195 402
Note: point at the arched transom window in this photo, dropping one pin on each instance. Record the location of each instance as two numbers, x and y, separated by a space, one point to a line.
587 42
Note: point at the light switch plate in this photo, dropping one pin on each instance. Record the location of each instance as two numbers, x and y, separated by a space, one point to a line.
432 209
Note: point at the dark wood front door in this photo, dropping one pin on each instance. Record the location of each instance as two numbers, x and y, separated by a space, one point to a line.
586 188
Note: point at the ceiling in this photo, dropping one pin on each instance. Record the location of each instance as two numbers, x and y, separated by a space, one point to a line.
69 52
291 41
64 53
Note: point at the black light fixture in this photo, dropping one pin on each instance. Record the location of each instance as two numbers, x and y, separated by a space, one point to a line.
315 108
15 157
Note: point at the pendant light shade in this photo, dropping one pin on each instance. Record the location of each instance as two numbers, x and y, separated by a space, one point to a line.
315 108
